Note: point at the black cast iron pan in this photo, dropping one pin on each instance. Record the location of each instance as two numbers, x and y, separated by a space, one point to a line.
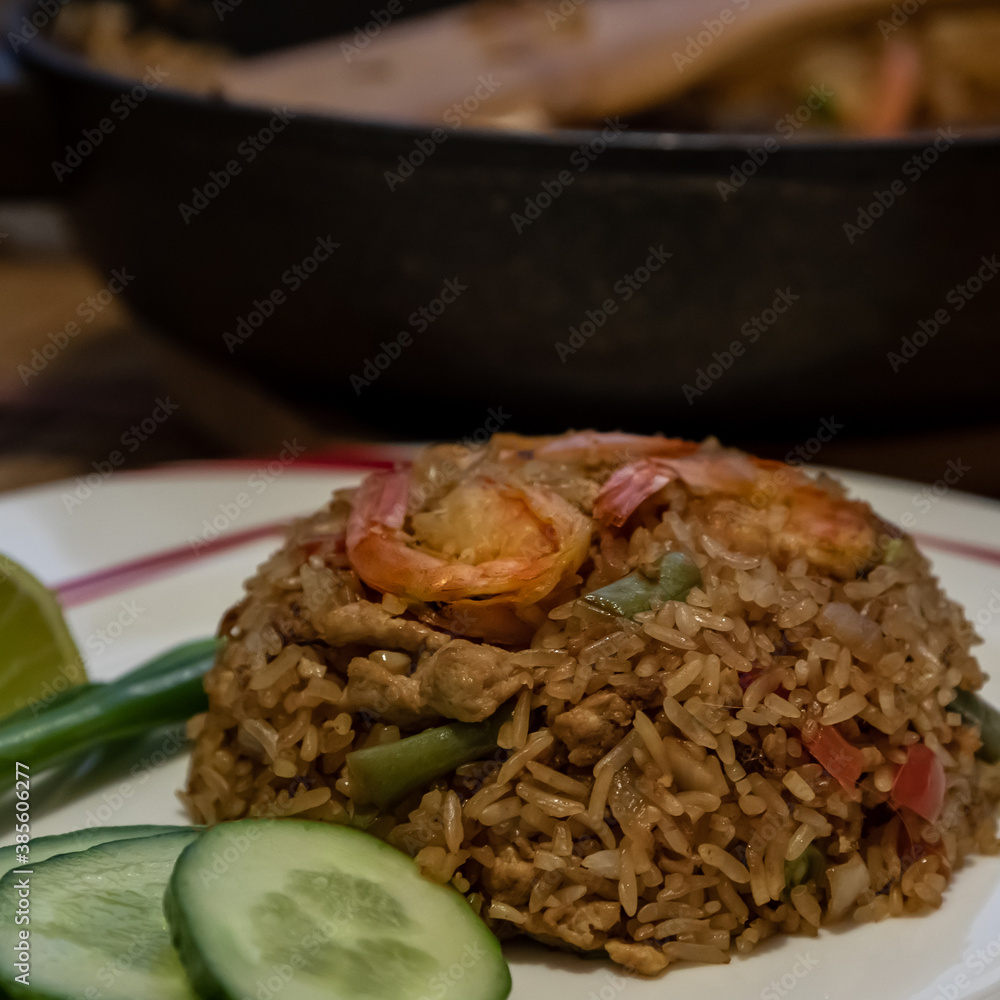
562 279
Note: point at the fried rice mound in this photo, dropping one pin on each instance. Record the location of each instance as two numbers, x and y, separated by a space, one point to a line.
723 693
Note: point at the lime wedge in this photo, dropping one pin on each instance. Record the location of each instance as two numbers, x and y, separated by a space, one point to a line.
38 658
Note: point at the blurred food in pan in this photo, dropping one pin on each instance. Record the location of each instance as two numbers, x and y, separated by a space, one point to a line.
816 65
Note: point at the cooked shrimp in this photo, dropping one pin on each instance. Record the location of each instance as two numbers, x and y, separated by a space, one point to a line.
632 484
483 544
483 555
756 506
594 447
587 448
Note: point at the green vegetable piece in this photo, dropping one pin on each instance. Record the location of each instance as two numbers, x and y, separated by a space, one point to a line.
677 576
895 551
168 689
37 654
806 867
317 911
980 713
626 597
96 924
387 773
635 592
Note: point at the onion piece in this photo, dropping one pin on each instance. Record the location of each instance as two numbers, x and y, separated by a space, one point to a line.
847 882
860 635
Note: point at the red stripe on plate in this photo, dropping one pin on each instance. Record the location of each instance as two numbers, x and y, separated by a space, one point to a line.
980 552
348 459
359 460
114 579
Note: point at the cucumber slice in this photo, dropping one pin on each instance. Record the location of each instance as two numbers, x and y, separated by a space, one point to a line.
312 911
42 848
96 924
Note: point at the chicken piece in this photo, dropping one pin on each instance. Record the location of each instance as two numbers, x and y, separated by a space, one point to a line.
373 687
583 925
593 727
467 681
453 678
640 692
368 623
510 879
646 959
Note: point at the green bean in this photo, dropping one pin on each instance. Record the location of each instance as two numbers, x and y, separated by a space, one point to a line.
677 576
626 597
808 865
980 713
635 592
387 773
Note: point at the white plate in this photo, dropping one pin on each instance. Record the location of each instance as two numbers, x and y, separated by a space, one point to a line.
952 954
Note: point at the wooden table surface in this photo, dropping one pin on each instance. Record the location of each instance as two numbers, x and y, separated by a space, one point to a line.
75 412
